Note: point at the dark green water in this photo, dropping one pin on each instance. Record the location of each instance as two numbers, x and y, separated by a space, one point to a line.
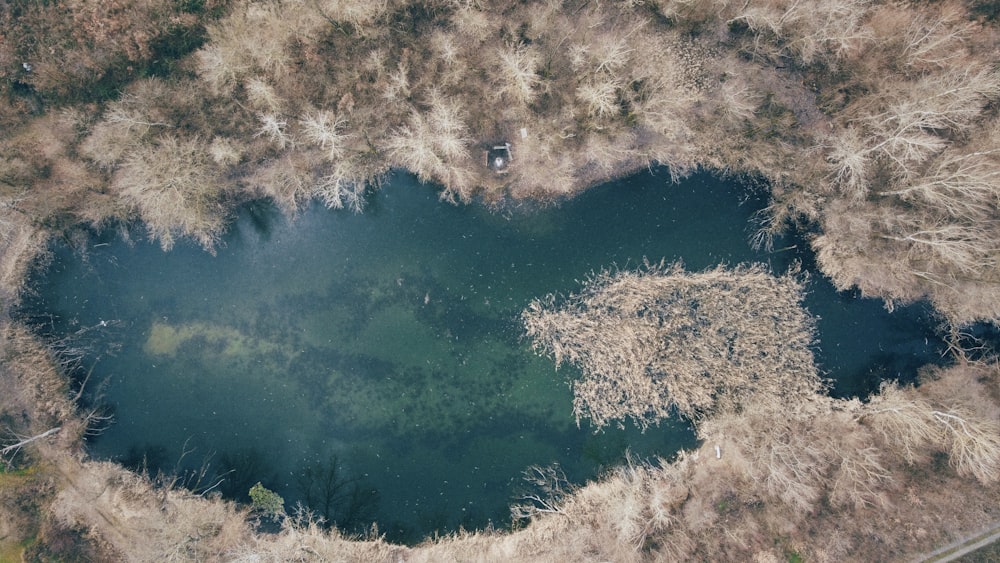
373 366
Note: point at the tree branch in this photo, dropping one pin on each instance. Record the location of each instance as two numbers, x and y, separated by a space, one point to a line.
26 441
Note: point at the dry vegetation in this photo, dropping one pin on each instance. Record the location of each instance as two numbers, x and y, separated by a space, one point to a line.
662 341
874 124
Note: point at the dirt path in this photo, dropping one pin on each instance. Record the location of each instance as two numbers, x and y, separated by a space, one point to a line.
961 547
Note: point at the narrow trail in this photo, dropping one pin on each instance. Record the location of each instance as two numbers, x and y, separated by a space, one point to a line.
962 546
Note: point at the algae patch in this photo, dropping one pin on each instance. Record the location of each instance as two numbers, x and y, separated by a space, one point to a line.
165 339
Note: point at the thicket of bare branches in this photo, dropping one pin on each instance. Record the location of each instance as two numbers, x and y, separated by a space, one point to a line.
799 453
968 430
659 340
34 387
174 187
913 158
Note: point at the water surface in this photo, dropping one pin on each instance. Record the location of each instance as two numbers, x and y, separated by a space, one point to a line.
373 367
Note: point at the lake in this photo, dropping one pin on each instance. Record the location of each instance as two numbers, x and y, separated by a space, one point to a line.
373 367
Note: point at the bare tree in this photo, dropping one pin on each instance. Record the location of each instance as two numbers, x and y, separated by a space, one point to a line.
273 127
12 449
334 495
262 96
341 187
807 29
251 41
518 72
324 129
359 15
174 187
907 129
963 185
600 97
950 247
548 490
974 443
936 41
434 145
127 122
911 423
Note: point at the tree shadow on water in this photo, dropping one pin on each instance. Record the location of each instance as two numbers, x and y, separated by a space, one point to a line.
339 498
145 459
240 470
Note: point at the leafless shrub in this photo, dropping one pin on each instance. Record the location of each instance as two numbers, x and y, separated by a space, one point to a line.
548 491
518 64
174 187
323 129
249 41
273 127
912 423
600 97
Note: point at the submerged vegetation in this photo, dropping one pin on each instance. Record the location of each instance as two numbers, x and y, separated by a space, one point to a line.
873 124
